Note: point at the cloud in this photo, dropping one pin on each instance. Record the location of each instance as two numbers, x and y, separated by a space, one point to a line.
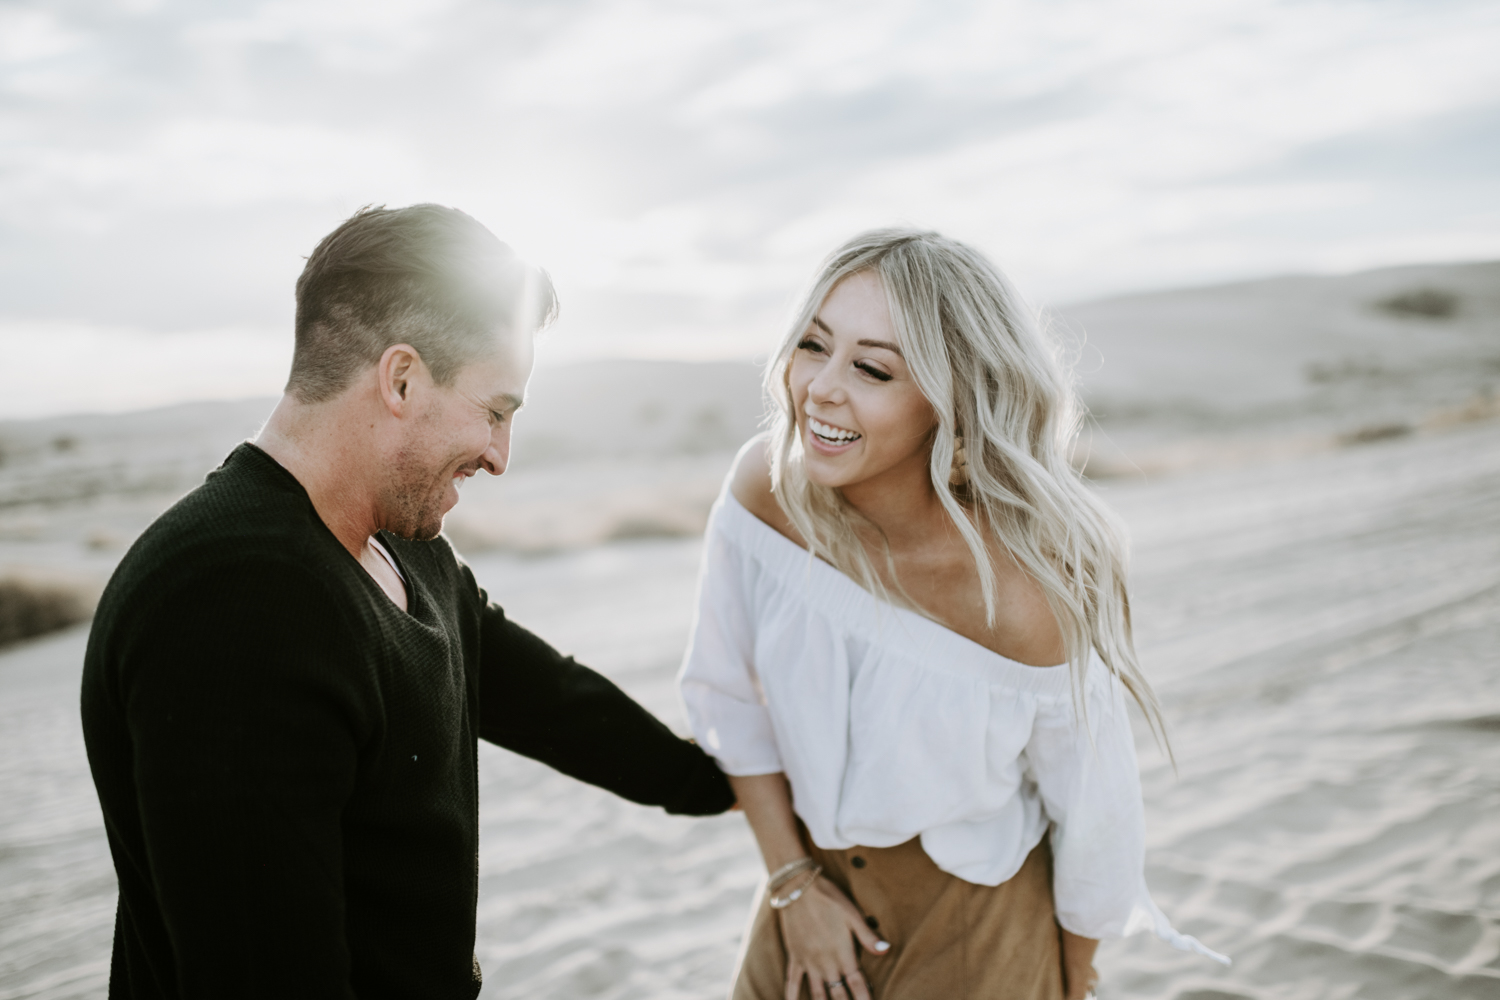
680 167
200 163
29 35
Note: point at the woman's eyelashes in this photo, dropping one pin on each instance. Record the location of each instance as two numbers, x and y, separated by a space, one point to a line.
815 346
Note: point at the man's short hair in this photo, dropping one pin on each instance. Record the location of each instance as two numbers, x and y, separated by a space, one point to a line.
427 276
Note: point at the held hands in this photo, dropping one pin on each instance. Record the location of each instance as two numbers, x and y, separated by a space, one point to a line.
819 930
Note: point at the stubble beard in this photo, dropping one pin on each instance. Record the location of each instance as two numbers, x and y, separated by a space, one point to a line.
414 504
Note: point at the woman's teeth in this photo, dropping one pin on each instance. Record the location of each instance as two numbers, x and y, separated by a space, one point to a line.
833 435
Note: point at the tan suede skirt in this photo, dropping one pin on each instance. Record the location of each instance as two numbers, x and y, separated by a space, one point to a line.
950 939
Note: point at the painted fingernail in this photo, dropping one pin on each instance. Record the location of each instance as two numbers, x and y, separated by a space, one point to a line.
882 946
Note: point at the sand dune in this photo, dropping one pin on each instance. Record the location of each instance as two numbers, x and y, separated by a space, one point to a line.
1217 376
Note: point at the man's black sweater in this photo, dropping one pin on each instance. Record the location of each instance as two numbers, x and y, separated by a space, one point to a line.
287 761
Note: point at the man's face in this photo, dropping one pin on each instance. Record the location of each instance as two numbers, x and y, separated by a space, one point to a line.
455 431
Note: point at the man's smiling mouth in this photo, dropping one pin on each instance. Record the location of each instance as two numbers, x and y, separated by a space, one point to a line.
829 434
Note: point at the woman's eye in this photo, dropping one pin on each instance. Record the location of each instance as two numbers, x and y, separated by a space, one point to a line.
808 344
497 416
873 372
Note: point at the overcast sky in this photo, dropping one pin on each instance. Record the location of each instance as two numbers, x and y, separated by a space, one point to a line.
681 167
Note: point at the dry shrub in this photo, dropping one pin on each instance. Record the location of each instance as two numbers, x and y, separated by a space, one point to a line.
31 606
1422 303
1375 432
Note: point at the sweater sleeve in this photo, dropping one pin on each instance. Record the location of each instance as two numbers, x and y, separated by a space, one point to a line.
1090 785
725 706
543 705
245 727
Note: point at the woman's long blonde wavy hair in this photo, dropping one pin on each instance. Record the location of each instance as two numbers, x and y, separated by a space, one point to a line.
998 386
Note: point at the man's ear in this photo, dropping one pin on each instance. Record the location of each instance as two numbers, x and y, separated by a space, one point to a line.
395 373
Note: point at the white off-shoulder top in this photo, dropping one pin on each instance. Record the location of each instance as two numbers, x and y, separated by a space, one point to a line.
890 726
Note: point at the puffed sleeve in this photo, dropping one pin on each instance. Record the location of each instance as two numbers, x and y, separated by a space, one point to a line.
726 709
1090 787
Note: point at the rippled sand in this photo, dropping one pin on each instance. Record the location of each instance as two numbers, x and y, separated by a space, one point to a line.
1324 633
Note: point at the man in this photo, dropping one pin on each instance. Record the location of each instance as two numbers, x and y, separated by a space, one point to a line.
288 672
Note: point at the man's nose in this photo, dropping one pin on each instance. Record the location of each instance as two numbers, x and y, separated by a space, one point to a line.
497 456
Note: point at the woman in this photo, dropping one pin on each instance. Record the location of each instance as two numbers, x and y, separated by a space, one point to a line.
906 716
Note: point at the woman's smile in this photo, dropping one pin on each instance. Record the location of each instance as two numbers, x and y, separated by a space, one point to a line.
829 439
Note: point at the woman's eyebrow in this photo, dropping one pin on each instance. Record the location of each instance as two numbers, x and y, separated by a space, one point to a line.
886 344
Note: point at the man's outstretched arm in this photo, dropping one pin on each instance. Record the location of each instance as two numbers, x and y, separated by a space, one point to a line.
245 734
549 707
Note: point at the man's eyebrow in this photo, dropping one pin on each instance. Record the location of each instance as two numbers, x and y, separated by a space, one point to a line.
507 401
887 345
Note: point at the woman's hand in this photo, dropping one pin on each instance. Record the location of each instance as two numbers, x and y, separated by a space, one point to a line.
819 931
1079 974
820 928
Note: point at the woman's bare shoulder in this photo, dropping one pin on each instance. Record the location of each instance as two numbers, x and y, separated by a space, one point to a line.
750 482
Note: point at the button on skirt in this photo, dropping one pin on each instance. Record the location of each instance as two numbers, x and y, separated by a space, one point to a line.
949 938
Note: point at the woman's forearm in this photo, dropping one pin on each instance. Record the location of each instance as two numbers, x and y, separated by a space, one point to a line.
767 801
1078 964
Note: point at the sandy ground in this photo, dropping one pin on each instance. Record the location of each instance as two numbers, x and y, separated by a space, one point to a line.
1322 631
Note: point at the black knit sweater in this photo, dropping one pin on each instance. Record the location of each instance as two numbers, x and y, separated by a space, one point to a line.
287 761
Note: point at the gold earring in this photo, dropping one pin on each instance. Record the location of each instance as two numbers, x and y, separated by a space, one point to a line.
959 474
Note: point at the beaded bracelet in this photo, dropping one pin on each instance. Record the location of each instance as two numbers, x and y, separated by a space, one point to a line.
782 902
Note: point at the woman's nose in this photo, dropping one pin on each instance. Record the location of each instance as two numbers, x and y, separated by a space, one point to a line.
827 387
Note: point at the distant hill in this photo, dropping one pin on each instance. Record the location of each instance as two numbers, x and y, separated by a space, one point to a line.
1387 345
597 409
600 409
603 449
78 457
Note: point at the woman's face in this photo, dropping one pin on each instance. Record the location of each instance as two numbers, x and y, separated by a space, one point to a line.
859 414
